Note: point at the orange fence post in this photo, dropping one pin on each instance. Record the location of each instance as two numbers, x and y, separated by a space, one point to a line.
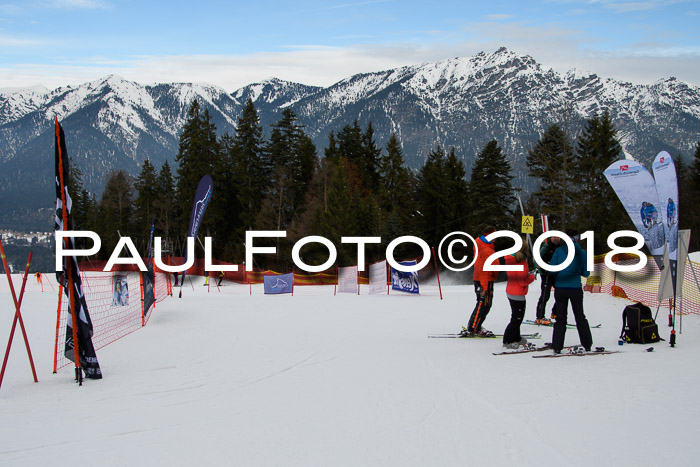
58 323
143 309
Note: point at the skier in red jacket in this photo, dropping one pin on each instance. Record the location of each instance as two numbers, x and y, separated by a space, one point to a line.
483 287
516 290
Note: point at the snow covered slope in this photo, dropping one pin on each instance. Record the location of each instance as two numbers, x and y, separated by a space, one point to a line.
233 379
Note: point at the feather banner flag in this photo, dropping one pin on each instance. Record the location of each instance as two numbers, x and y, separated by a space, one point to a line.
78 347
202 196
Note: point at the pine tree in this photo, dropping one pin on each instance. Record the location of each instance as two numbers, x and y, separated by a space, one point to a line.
550 161
350 143
689 194
165 204
146 195
115 210
303 168
490 190
79 197
694 178
200 154
246 156
430 194
395 187
596 208
456 194
332 152
339 219
291 161
83 206
369 162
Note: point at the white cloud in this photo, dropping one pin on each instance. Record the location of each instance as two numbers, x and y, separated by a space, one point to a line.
355 4
554 47
621 6
628 7
10 41
78 4
498 17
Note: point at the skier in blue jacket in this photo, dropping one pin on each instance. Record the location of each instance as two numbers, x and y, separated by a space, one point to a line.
649 214
671 212
567 288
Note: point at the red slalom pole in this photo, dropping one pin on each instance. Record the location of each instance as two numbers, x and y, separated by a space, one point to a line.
18 315
437 272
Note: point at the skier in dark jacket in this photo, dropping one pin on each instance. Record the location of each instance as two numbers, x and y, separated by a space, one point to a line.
547 279
567 288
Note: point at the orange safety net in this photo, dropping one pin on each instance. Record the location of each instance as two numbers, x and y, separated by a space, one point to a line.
115 305
643 285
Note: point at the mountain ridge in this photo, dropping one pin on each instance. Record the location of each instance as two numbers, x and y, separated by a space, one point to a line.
461 102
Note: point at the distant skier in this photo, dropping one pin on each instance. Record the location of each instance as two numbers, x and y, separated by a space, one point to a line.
671 213
39 280
649 214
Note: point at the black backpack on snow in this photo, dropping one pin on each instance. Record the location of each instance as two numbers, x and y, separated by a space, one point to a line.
638 325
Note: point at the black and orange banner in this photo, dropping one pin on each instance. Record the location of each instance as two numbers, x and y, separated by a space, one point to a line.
78 346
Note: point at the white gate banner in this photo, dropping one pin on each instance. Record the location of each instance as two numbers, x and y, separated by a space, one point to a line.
378 278
347 279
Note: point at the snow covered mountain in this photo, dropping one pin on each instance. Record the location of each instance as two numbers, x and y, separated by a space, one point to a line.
110 124
462 102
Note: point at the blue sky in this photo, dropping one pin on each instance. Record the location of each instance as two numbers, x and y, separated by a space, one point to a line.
231 44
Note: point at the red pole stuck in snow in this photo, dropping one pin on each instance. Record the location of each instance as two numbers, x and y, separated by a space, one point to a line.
18 315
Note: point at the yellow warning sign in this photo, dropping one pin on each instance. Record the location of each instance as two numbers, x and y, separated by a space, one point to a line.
528 225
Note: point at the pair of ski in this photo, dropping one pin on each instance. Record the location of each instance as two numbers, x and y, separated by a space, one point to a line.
568 326
494 336
570 351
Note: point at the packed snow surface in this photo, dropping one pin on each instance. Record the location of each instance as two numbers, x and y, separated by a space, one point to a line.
228 378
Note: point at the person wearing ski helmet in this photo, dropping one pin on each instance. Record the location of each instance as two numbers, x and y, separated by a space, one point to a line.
483 287
568 289
516 290
547 279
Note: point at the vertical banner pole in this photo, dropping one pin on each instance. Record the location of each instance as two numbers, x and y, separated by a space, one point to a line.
169 282
388 277
69 261
437 272
58 323
155 297
143 303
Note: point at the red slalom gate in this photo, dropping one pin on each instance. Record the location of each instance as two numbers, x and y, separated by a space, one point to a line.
18 315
